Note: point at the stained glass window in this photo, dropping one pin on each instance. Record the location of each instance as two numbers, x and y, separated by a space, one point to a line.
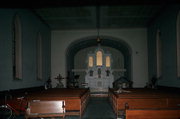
99 58
108 64
90 61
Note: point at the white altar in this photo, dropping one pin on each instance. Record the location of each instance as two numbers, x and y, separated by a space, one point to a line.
99 75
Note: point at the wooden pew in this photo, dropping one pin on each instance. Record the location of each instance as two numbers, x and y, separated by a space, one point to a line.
37 108
76 99
143 99
15 98
153 114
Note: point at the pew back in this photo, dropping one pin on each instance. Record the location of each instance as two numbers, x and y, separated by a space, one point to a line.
153 114
37 108
144 99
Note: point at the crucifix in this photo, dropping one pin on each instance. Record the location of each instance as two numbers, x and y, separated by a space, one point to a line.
59 78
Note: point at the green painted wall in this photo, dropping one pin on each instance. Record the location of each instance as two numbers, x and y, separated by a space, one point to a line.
136 38
166 22
31 26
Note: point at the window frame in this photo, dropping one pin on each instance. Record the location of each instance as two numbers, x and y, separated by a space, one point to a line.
17 48
178 45
108 61
90 61
159 54
39 56
99 58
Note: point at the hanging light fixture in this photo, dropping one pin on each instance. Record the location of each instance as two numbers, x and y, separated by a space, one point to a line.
98 23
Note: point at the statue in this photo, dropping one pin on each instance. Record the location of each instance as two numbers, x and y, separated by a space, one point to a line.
48 84
91 73
152 82
99 73
107 72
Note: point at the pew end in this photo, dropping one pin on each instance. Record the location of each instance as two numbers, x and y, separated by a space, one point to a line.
38 108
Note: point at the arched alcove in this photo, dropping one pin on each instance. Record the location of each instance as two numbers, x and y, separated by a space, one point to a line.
107 41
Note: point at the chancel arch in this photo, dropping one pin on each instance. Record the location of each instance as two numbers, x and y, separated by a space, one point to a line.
110 45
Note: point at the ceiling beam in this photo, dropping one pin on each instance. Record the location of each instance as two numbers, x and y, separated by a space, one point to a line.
70 3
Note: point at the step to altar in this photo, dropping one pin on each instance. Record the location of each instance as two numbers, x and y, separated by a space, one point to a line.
99 94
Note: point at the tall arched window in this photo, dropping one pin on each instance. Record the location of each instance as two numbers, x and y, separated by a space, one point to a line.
99 58
159 54
17 49
178 45
90 61
108 61
39 57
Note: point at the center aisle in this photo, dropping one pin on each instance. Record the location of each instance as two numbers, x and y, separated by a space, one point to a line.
99 108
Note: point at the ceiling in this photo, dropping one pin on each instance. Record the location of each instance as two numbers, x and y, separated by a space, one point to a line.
91 14
87 17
